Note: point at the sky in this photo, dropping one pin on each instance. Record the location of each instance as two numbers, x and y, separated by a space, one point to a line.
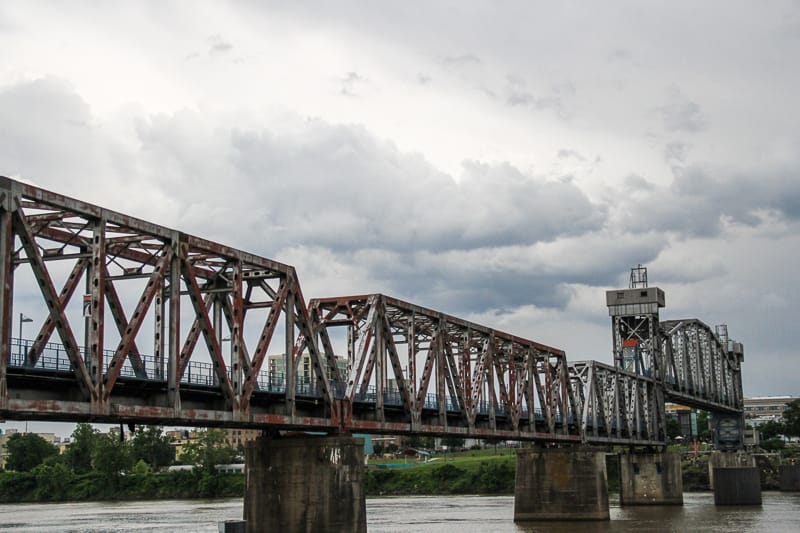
505 162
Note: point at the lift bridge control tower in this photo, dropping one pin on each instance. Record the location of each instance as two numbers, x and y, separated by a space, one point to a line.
635 325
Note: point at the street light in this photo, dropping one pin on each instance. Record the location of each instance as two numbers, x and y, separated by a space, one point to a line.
22 320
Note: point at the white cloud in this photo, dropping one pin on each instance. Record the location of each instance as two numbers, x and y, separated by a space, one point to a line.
511 178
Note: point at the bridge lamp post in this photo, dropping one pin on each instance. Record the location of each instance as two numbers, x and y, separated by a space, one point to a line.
23 319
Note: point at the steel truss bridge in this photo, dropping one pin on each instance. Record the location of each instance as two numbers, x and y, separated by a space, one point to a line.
169 328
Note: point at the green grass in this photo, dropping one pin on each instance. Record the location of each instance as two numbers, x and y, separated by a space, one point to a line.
469 472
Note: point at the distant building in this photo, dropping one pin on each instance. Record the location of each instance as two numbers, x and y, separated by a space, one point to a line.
52 438
179 438
686 417
764 408
236 438
276 368
3 452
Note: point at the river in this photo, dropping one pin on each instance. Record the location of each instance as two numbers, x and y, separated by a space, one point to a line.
779 513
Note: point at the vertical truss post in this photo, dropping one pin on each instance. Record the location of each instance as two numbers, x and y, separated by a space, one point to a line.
95 323
291 373
158 332
441 369
380 359
7 287
174 339
466 379
530 362
411 342
216 311
490 380
238 360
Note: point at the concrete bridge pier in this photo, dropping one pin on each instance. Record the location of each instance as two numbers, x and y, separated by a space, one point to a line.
790 477
560 484
734 478
305 484
650 479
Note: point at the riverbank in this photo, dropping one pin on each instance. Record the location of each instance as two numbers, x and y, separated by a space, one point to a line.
494 474
52 484
470 472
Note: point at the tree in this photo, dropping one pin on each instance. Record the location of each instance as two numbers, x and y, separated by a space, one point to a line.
53 480
773 445
208 450
771 429
111 456
151 446
791 419
79 454
27 450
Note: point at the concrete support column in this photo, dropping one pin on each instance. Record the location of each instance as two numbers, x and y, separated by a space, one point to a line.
790 477
728 460
650 479
305 484
737 486
560 484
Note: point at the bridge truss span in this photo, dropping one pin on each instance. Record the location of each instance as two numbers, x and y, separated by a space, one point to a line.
412 369
146 289
700 368
142 323
615 406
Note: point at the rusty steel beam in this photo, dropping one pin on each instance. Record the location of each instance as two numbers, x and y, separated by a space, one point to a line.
7 288
32 356
127 342
83 378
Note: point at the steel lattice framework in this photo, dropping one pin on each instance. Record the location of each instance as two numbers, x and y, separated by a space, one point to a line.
165 272
176 329
616 406
412 369
701 370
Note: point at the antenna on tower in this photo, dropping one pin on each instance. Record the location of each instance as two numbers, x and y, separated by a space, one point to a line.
638 277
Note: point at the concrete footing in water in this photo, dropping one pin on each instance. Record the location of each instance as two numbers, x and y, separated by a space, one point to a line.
650 479
790 477
305 484
232 526
560 484
728 460
737 486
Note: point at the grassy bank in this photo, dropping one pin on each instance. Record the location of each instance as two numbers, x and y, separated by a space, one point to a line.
458 475
41 485
469 472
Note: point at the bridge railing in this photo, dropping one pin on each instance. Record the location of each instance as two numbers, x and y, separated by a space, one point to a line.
54 359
